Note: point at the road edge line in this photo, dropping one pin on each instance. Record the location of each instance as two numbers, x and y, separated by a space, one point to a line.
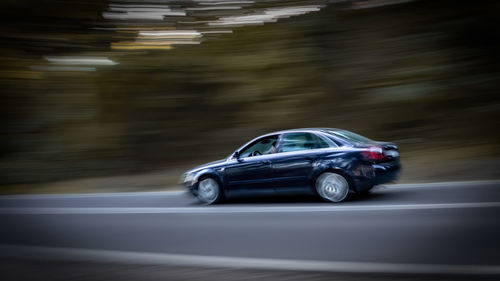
126 257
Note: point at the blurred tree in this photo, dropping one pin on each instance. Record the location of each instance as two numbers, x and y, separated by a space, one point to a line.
421 71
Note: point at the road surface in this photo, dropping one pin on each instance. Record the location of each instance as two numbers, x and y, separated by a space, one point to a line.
442 228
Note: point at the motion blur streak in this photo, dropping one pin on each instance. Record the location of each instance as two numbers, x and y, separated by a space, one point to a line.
62 68
269 15
135 46
80 61
217 31
214 8
225 2
140 12
209 15
172 34
377 3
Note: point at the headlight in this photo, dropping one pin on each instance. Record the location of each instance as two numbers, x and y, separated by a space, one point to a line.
188 177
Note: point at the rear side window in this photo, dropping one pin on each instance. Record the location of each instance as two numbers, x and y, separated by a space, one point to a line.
322 142
332 138
350 136
301 141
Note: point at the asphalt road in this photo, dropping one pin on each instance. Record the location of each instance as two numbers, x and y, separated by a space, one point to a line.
448 227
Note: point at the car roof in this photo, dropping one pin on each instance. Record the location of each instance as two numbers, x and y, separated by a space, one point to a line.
304 130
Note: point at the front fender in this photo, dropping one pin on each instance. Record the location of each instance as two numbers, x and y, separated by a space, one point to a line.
202 173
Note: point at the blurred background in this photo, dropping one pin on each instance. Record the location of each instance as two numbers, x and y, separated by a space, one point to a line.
127 94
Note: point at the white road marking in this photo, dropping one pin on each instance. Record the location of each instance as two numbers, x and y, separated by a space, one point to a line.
239 209
126 257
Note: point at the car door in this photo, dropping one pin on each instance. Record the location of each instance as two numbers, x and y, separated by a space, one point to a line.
293 166
251 173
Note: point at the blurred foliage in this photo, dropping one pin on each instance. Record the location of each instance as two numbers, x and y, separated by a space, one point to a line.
422 73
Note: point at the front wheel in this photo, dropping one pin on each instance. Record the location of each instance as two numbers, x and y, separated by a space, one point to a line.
332 187
209 191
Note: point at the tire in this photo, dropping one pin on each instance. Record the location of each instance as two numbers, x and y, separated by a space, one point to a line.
209 191
332 187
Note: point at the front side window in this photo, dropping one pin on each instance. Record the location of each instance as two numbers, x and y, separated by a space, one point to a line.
301 141
266 145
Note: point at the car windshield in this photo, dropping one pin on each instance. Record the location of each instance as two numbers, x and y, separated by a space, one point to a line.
349 136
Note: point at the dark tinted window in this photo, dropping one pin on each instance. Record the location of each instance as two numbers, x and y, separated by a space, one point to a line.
350 136
322 142
301 141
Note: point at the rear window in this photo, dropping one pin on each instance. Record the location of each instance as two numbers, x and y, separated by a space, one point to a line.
349 136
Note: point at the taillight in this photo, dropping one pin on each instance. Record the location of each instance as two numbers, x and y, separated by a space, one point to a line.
374 153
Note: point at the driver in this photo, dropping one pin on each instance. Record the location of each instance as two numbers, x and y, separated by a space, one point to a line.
273 148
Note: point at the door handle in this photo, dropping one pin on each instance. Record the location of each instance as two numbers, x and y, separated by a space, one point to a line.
265 162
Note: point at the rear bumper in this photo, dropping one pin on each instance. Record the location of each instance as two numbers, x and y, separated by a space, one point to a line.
380 173
386 173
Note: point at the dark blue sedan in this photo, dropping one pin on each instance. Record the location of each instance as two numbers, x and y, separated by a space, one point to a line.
327 162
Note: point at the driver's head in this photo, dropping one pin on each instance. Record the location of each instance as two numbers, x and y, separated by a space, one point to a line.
273 148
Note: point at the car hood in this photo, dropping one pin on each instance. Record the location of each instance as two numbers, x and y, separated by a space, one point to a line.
208 165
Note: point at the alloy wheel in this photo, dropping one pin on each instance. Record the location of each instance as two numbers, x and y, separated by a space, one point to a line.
332 187
208 191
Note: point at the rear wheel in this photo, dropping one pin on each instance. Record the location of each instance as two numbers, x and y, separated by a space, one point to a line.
209 191
332 187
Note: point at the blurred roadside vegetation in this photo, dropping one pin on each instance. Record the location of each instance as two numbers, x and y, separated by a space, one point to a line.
424 74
